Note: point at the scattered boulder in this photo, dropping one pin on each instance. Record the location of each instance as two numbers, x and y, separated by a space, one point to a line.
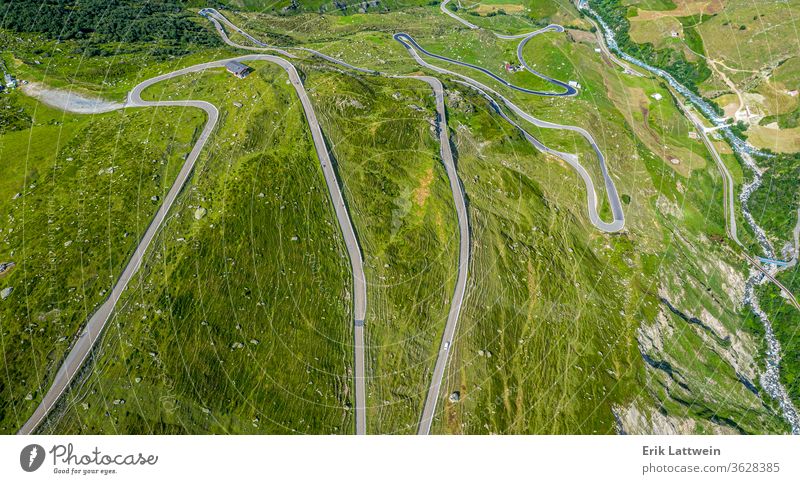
200 213
454 397
6 292
5 267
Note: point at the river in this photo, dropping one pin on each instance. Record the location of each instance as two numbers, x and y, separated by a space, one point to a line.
770 378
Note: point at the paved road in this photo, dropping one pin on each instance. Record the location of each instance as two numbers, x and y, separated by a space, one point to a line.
463 258
627 69
463 223
350 240
569 90
353 249
728 200
730 212
618 222
218 19
83 346
728 188
443 6
94 327
619 219
79 352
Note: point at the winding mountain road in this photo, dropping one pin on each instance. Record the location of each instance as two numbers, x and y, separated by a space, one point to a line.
727 187
446 153
406 39
217 19
617 224
85 342
354 251
94 327
618 214
730 212
443 7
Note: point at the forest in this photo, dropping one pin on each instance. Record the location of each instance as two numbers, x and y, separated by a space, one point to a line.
103 21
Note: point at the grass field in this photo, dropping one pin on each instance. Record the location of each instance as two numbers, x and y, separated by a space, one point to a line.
657 32
547 341
347 7
75 196
62 64
241 321
526 327
751 51
649 10
402 211
382 136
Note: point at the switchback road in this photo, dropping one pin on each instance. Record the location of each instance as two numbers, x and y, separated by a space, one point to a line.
446 153
463 223
618 222
94 327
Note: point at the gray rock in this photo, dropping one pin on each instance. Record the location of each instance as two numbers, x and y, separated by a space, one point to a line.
6 292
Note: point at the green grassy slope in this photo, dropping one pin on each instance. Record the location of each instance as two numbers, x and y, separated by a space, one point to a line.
568 331
346 7
388 158
240 322
75 197
526 358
